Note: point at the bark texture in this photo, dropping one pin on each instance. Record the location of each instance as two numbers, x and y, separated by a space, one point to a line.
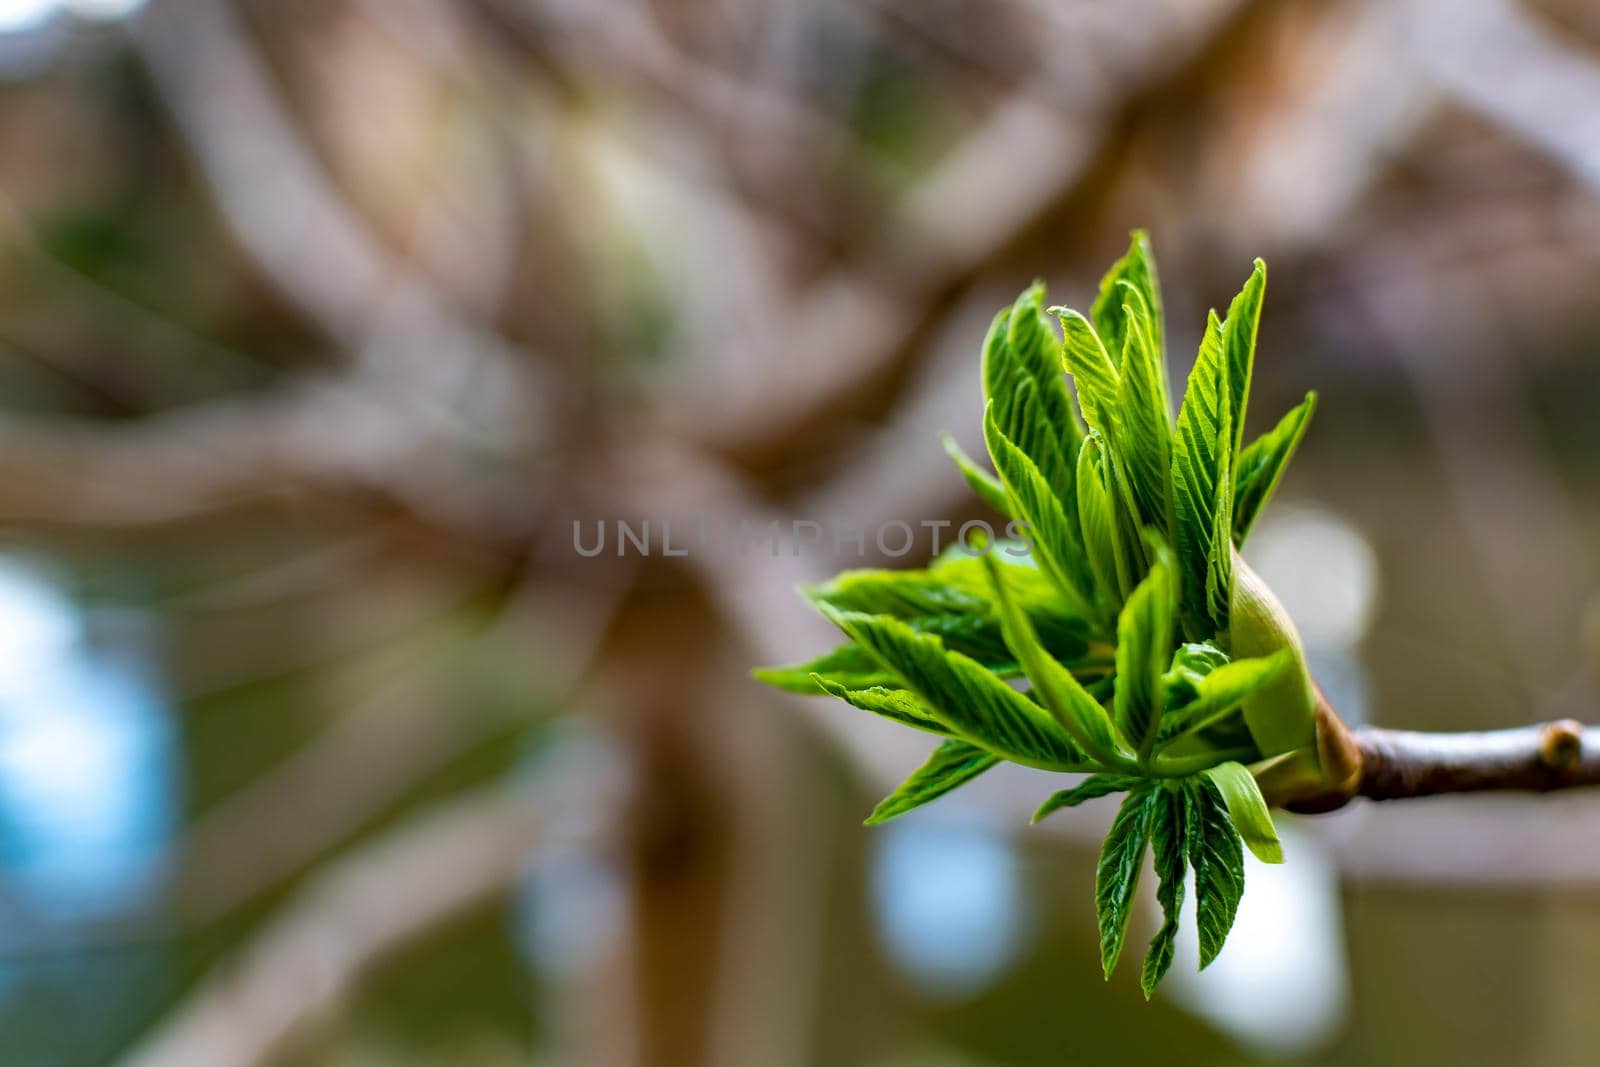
1405 763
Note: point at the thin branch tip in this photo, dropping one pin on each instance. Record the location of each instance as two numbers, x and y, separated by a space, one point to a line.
1561 743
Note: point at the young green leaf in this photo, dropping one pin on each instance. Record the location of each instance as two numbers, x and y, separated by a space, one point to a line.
1219 560
1239 344
904 594
1126 508
1167 840
1212 846
1091 788
1218 693
986 485
1117 874
1136 268
1248 809
952 764
1097 521
977 635
1022 380
1055 537
1144 434
953 601
1261 466
1191 662
971 701
901 705
848 666
1144 636
1199 456
1055 687
956 584
1137 495
1092 371
852 667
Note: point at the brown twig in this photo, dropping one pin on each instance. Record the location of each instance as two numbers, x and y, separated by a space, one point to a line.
1381 764
1405 763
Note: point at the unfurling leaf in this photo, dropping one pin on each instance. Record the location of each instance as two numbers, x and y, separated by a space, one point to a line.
1204 429
1248 809
1167 836
848 666
952 764
1144 436
970 701
1239 345
1191 662
902 594
1098 523
1022 380
1054 536
1136 269
1212 846
901 705
1144 641
1222 690
1117 875
986 485
1092 371
1077 712
1091 788
1219 561
951 601
1262 464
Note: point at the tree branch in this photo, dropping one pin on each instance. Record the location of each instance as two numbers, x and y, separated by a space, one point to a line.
1381 764
352 916
1404 763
